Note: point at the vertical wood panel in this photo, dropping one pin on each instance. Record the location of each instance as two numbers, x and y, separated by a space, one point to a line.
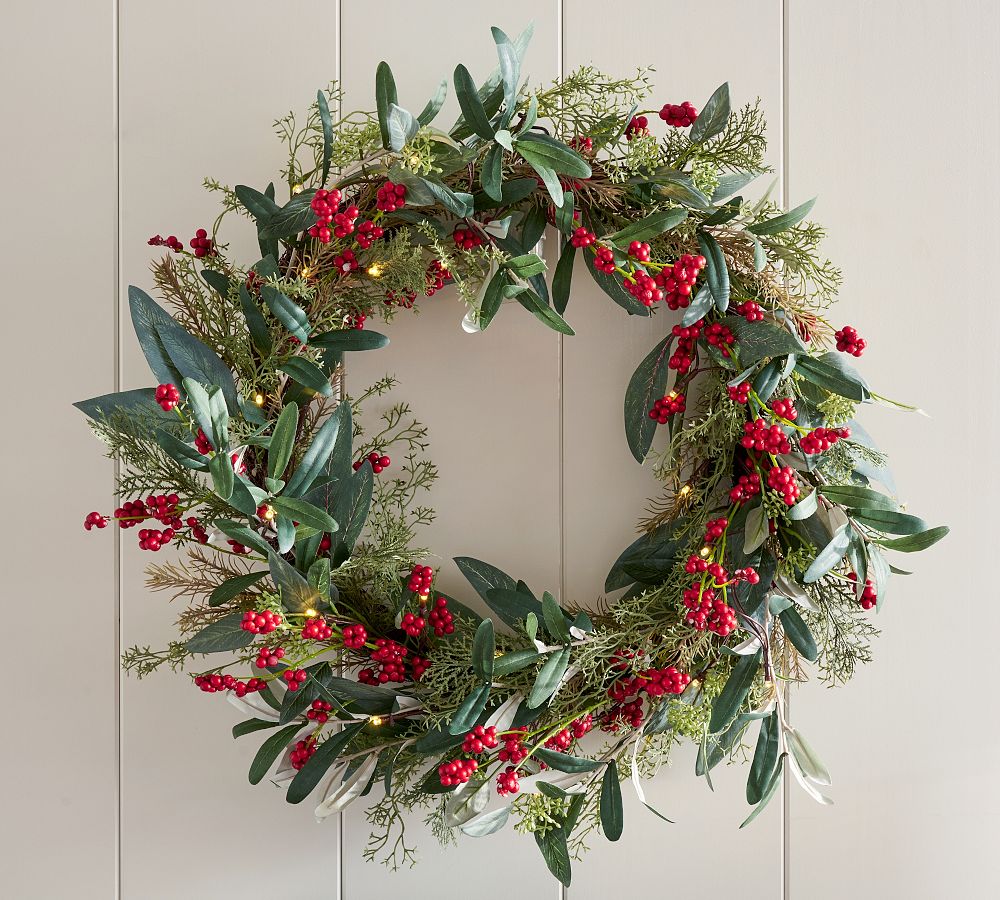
59 749
490 401
605 491
908 186
200 85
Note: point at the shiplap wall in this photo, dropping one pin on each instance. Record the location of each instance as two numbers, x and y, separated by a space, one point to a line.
114 114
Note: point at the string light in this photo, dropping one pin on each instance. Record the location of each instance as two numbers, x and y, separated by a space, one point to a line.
306 272
258 399
296 188
685 490
375 270
705 551
375 720
268 513
311 613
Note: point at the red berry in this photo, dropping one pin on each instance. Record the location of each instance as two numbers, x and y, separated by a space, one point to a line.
167 396
849 342
679 115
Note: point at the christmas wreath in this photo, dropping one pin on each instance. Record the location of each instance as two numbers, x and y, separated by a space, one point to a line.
311 607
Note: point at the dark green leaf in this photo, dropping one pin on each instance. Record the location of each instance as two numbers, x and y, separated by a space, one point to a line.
555 619
759 340
327 124
543 312
783 222
829 556
647 385
716 273
890 521
181 451
553 154
294 217
525 266
279 451
548 678
260 206
765 758
491 176
270 750
728 703
222 635
915 542
799 634
565 221
831 372
222 475
651 226
434 105
555 852
511 606
513 661
260 334
317 455
141 401
563 762
351 339
290 314
483 651
713 116
243 535
471 103
234 587
385 94
471 709
563 278
320 762
856 497
769 791
306 513
308 374
297 594
249 726
483 577
612 814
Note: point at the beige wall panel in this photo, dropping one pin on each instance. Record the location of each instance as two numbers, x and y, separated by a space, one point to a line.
893 121
201 84
58 754
490 401
605 490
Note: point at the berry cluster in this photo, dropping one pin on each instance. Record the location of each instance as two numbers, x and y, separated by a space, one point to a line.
639 250
667 406
95 519
435 277
267 657
391 660
260 623
849 342
377 460
440 618
746 486
346 262
391 197
604 260
466 238
167 396
367 233
678 280
294 678
581 237
480 739
683 355
319 711
420 580
638 126
785 409
679 115
782 480
317 629
325 205
821 439
513 749
739 393
707 611
758 435
644 288
715 529
212 684
582 144
629 714
171 242
719 335
202 244
458 771
507 782
413 624
152 538
750 311
301 753
354 636
868 596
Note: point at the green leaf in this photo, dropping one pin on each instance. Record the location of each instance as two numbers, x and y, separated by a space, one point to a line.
805 508
799 634
483 577
890 521
433 107
728 703
563 762
243 535
220 636
511 606
783 222
483 651
829 556
318 453
555 620
471 104
308 374
223 476
493 298
172 353
548 678
915 542
181 451
563 278
490 823
402 127
526 265
471 709
730 183
543 312
234 587
458 203
759 340
612 286
327 124
510 70
651 226
297 594
765 758
831 372
513 661
260 206
260 333
351 339
769 791
716 273
306 513
491 176
270 750
612 814
279 452
290 314
348 501
857 497
138 402
563 215
810 764
385 94
249 726
713 116
320 762
549 178
555 852
647 385
553 154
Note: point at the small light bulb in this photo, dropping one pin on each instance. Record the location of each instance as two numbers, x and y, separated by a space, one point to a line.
375 270
672 395
375 720
268 513
311 613
296 188
705 551
685 490
306 272
258 399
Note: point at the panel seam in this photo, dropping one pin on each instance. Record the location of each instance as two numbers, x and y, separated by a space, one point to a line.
560 11
338 25
117 381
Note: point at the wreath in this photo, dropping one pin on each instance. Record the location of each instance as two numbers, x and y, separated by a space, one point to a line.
311 606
